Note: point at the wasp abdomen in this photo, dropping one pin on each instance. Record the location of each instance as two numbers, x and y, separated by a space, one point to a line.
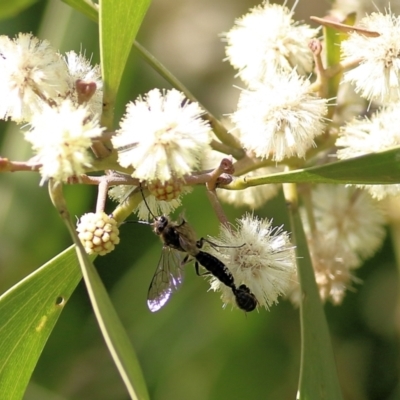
245 300
215 267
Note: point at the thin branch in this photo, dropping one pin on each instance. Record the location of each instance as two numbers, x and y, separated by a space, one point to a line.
102 195
219 129
216 205
306 196
100 150
225 167
343 27
322 81
228 150
113 178
13 166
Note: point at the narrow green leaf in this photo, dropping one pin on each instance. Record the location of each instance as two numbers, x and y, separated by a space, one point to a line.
332 42
119 22
10 8
219 129
86 7
318 375
371 169
28 313
114 334
336 37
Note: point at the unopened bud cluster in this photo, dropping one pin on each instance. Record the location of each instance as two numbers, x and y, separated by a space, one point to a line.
166 191
98 233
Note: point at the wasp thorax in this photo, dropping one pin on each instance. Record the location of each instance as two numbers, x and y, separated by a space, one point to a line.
98 233
166 191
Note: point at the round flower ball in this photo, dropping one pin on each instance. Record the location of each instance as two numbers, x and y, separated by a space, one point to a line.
98 233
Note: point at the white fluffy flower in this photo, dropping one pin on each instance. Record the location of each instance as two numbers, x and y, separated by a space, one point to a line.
32 75
267 39
259 256
348 228
281 118
380 192
157 207
61 136
342 8
80 69
162 136
332 274
365 136
378 75
350 220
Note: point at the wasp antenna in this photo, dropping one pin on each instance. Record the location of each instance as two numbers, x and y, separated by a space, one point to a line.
143 222
145 202
136 222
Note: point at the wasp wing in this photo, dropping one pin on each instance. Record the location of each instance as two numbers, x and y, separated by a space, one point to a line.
167 278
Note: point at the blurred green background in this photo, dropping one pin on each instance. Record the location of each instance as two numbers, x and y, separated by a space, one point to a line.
192 348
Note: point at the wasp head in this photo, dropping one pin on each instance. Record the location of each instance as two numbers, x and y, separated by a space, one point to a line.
159 225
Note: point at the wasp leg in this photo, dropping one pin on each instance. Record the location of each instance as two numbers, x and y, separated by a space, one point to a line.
197 268
201 241
186 260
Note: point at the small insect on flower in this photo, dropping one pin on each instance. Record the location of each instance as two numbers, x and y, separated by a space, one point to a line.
179 238
259 256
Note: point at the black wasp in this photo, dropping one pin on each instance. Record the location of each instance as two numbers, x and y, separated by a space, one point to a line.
179 238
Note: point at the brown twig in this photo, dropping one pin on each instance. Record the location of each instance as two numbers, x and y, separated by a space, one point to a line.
343 27
13 166
112 178
100 150
228 150
322 81
102 195
216 205
225 167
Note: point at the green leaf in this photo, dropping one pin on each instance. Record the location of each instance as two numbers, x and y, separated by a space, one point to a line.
219 129
119 23
318 375
28 313
332 42
86 7
10 8
371 169
114 334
